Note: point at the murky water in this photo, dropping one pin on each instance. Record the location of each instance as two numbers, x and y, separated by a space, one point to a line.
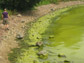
66 36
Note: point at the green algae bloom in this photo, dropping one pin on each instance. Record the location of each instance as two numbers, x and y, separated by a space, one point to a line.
58 30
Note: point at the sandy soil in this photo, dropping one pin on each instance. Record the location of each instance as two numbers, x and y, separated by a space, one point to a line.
7 38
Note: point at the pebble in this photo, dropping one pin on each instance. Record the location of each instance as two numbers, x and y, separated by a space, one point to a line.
19 36
43 52
19 15
39 43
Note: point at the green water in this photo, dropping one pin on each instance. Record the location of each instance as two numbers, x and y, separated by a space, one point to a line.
67 33
61 31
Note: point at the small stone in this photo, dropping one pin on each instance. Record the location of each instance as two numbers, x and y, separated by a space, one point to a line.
51 36
19 36
22 21
66 61
52 9
38 38
19 15
43 52
39 43
23 27
61 55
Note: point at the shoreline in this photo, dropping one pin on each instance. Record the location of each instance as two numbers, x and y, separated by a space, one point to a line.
35 31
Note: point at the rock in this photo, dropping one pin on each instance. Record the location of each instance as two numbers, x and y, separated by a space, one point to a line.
23 27
46 62
19 15
66 61
43 52
52 9
61 55
23 21
39 43
38 38
19 36
51 36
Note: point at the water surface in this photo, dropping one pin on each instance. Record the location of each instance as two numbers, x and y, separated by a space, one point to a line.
67 36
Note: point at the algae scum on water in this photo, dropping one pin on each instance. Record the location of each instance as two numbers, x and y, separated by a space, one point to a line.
68 36
61 32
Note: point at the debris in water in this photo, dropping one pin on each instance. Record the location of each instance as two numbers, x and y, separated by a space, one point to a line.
61 55
66 61
51 36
